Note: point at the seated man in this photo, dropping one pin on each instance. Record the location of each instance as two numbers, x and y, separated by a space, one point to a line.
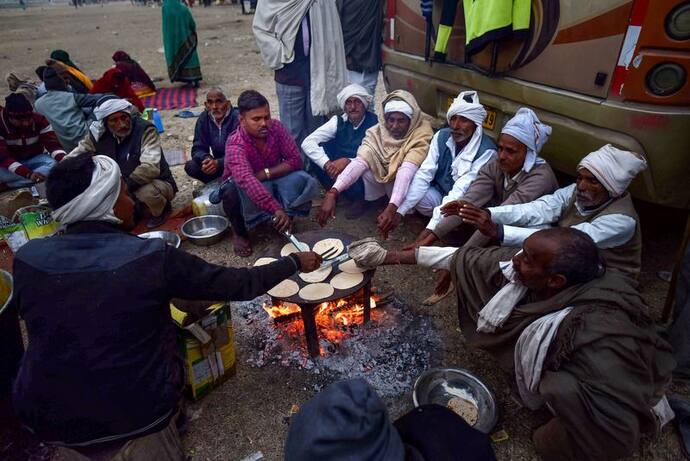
134 144
455 156
263 176
387 160
579 338
25 137
516 175
597 204
213 128
66 111
332 146
101 376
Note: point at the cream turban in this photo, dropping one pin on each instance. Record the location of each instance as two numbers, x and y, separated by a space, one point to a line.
470 110
101 112
526 127
614 168
397 105
357 91
97 201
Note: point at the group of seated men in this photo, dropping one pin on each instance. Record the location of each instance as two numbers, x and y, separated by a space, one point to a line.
563 312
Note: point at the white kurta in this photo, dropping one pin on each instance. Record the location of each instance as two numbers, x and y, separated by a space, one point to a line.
521 221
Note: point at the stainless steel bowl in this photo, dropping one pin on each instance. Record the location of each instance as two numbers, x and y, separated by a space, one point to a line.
170 238
439 385
205 230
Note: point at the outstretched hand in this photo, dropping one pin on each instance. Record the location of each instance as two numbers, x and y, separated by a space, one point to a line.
479 218
453 208
327 211
388 220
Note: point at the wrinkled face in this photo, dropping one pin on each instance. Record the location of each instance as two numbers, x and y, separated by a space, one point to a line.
354 108
397 124
531 264
462 129
124 207
511 154
119 124
217 104
256 122
589 192
20 121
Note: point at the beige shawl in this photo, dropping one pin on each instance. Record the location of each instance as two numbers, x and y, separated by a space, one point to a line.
383 154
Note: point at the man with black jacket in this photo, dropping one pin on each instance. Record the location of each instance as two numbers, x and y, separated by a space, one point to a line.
101 373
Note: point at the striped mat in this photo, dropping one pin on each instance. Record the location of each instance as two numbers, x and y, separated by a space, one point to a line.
177 97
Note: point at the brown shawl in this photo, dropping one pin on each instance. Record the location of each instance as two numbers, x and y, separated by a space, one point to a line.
606 367
384 154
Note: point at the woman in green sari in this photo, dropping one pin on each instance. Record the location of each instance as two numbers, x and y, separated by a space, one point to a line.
180 41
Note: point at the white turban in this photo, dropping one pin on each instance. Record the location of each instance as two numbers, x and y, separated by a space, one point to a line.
470 110
97 201
357 91
614 168
526 127
397 105
101 112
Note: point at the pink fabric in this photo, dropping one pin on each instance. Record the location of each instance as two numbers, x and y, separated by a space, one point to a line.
403 178
350 174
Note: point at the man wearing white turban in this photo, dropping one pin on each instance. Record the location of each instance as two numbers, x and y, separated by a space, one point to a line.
597 204
455 156
333 145
107 358
134 144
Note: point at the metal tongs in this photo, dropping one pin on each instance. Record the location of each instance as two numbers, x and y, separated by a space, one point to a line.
342 258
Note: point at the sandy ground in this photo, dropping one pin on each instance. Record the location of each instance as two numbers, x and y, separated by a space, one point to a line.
248 413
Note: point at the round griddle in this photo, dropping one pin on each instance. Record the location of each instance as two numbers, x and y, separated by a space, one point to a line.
310 238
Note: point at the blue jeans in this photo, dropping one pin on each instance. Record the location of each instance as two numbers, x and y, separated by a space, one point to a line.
293 192
41 163
294 106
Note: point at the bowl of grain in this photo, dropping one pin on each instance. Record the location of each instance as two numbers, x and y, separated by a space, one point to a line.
460 391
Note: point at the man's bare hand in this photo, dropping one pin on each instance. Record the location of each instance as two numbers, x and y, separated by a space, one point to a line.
453 208
37 177
388 220
308 260
281 221
327 211
479 218
335 167
425 238
209 166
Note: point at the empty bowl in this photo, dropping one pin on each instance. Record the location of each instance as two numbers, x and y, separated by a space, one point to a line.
205 230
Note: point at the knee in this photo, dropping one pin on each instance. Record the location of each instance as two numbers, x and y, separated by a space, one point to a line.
192 168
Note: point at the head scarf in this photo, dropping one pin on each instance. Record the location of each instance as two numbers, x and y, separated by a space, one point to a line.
526 127
17 103
121 56
384 154
354 90
63 56
614 168
52 80
97 201
346 421
397 105
106 109
474 111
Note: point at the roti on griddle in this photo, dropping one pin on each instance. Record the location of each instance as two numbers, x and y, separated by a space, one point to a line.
350 267
316 291
326 244
284 289
345 281
289 248
319 275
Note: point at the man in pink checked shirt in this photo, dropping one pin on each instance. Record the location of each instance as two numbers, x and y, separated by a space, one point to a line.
263 177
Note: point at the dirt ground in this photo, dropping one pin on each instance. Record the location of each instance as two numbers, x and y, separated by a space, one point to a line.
248 413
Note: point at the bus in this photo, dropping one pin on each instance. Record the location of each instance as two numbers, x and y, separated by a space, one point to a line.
597 71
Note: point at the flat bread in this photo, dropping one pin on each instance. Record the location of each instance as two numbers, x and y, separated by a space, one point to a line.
319 275
465 409
289 248
264 261
345 281
284 289
350 267
316 291
326 244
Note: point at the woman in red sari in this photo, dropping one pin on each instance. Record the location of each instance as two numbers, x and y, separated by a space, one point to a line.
138 78
117 83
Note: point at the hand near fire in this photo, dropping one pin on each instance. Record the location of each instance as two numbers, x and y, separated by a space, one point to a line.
308 260
327 211
479 218
367 253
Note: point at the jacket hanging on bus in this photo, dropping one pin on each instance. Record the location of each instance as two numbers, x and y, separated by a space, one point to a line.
490 20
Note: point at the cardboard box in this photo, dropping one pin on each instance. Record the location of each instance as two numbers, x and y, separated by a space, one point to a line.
208 348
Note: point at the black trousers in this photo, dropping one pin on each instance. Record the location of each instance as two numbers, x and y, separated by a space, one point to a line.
193 170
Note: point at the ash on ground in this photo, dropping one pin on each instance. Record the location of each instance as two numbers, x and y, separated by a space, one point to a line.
390 352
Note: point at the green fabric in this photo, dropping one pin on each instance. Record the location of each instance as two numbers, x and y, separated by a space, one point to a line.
442 38
180 41
63 56
500 17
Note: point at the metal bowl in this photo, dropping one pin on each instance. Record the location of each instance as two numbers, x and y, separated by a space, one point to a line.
439 385
170 238
205 230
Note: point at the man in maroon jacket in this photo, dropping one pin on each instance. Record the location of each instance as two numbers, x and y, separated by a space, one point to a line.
25 137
